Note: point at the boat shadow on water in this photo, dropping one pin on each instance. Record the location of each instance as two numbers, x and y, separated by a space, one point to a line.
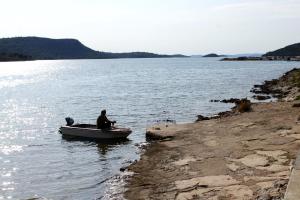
104 145
117 141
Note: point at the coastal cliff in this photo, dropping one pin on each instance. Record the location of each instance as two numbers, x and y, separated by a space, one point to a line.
240 156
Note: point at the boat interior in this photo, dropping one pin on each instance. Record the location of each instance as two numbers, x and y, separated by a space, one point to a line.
85 126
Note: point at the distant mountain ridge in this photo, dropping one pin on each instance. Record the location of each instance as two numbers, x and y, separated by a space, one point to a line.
45 48
290 50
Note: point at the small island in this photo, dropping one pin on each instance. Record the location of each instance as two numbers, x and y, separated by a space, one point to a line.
212 55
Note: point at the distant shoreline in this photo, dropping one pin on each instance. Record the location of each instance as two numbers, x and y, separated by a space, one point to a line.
38 48
264 58
86 59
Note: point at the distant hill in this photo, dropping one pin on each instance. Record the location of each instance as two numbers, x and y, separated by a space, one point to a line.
212 55
291 50
45 48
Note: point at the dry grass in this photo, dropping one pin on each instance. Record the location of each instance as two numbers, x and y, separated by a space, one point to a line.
296 79
244 106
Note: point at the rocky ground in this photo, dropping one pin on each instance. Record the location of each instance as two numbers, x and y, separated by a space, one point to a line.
241 156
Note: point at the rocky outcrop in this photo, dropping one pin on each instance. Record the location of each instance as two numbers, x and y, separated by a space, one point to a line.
285 87
231 100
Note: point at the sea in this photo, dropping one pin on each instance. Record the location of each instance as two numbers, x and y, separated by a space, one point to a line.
36 162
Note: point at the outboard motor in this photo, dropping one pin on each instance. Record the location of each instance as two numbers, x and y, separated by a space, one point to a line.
69 121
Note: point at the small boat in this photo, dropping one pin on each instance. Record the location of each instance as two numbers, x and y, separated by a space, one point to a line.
92 132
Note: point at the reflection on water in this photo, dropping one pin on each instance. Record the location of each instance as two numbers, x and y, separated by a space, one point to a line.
13 74
103 145
35 97
103 148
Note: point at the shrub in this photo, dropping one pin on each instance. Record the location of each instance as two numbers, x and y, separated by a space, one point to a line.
244 105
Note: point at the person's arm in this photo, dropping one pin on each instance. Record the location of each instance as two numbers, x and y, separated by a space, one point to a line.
107 120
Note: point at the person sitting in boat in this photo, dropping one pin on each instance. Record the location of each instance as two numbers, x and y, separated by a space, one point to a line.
103 122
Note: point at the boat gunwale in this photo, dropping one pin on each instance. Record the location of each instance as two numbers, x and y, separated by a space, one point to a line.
128 130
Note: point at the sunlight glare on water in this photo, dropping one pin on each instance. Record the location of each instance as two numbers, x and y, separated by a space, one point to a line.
17 73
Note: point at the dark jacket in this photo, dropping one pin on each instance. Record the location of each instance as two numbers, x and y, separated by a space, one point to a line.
103 122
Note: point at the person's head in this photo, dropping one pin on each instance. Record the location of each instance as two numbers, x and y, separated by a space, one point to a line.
103 112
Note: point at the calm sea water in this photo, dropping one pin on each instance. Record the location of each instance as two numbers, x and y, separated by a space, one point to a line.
35 97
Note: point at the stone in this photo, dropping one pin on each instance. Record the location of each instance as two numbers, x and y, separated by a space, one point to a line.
238 192
274 168
214 100
296 136
122 169
210 181
184 161
231 100
261 97
210 141
264 185
194 193
253 160
273 154
296 105
201 118
259 178
233 167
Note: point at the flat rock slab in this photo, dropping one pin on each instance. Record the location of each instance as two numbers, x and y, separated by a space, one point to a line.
280 140
159 132
253 160
206 181
163 131
233 192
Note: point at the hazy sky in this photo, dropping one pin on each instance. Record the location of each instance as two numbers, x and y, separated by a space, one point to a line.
161 26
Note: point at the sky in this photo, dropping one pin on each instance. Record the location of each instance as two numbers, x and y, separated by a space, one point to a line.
160 26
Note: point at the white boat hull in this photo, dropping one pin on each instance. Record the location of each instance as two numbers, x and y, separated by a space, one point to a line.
91 131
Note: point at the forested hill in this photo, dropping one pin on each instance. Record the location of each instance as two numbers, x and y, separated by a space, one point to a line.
45 48
291 50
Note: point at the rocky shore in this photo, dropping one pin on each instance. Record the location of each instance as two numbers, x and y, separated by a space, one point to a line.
240 155
285 88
